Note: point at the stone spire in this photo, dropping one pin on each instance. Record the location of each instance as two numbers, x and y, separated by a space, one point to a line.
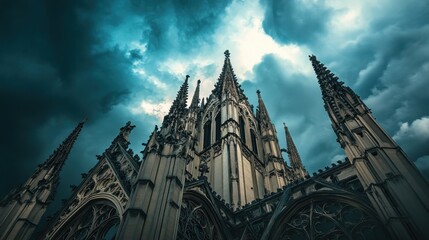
123 136
262 113
391 181
274 163
56 160
196 98
227 81
295 159
340 101
28 203
180 103
178 109
157 195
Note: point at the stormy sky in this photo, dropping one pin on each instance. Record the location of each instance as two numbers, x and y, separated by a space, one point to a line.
114 61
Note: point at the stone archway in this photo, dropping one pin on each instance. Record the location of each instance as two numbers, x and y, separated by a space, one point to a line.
95 220
198 219
329 216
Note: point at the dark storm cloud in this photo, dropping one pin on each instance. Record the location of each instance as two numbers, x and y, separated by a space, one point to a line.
295 99
135 54
179 26
386 62
174 30
388 67
61 61
54 71
294 21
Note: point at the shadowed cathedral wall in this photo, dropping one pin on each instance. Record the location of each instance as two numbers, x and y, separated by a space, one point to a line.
96 207
102 187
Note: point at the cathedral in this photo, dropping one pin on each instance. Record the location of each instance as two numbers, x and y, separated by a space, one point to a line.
215 170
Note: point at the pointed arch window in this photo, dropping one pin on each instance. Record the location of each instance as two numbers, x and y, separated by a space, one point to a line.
197 221
242 129
207 135
329 218
96 220
218 132
254 144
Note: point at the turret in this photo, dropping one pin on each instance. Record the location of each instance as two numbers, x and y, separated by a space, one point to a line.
228 126
194 114
22 209
196 97
294 158
192 126
123 136
267 129
274 164
162 171
341 102
397 190
174 119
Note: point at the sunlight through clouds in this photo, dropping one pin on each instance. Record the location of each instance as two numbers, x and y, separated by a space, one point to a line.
419 128
151 79
248 42
159 109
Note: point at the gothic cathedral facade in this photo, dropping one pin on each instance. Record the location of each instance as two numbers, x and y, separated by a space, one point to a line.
215 170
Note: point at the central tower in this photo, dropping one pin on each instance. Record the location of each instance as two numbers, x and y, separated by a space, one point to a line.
230 142
240 148
221 142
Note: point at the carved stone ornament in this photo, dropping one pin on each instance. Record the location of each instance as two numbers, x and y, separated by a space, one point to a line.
203 168
195 223
217 148
331 220
102 182
246 152
96 221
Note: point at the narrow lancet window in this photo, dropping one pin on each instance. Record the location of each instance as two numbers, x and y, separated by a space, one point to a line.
218 132
207 135
254 145
242 130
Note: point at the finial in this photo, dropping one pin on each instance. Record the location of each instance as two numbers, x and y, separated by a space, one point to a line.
227 54
187 76
285 127
258 92
128 127
203 168
199 81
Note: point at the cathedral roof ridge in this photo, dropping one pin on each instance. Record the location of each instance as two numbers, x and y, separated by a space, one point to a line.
330 167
